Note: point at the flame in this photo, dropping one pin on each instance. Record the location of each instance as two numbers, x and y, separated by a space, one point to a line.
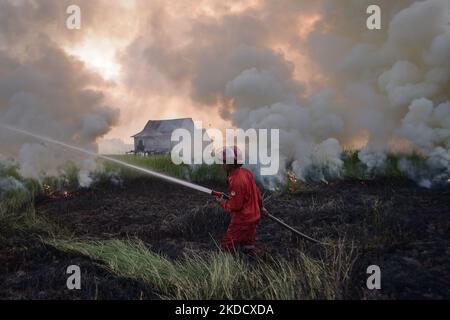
48 190
293 181
291 176
55 195
448 180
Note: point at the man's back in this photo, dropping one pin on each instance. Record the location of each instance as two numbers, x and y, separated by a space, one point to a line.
245 198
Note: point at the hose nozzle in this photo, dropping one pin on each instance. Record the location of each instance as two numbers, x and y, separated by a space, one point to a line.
219 194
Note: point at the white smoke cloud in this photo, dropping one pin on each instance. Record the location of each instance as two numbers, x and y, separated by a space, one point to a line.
114 146
9 184
428 127
413 70
402 84
373 156
323 162
46 91
363 82
309 68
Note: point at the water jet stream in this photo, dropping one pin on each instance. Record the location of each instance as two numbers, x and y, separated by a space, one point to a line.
123 163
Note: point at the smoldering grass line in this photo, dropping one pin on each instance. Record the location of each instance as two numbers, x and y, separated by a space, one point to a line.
94 154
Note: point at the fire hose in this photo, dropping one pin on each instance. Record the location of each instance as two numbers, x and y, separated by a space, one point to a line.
272 217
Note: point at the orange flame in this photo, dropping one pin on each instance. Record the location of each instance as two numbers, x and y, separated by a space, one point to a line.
52 194
291 176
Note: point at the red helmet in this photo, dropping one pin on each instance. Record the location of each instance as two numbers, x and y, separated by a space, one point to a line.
231 155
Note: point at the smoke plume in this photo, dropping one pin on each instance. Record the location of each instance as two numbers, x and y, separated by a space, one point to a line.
381 88
309 68
45 90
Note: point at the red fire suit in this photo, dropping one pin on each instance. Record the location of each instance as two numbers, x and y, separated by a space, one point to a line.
245 206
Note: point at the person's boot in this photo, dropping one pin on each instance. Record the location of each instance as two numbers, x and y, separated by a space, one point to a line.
250 252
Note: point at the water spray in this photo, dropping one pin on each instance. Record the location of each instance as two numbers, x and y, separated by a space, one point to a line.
187 184
123 163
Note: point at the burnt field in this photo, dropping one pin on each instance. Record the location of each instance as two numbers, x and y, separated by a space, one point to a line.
392 223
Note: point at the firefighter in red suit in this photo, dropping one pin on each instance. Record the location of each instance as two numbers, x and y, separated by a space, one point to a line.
244 205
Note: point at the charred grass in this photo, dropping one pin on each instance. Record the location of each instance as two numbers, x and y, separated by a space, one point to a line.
137 240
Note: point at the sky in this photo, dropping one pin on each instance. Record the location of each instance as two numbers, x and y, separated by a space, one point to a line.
118 42
309 68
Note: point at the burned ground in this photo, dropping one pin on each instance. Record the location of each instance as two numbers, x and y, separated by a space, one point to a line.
402 228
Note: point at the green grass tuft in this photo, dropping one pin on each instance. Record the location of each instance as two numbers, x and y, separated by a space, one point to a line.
219 275
164 164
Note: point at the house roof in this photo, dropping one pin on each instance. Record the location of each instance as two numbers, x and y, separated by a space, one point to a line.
163 127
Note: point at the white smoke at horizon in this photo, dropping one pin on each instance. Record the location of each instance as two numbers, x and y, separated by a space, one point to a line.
114 146
409 73
10 184
372 80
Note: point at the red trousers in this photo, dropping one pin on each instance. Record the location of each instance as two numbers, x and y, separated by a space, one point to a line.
240 236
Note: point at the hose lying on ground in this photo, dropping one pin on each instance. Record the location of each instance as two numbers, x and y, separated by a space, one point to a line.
300 234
